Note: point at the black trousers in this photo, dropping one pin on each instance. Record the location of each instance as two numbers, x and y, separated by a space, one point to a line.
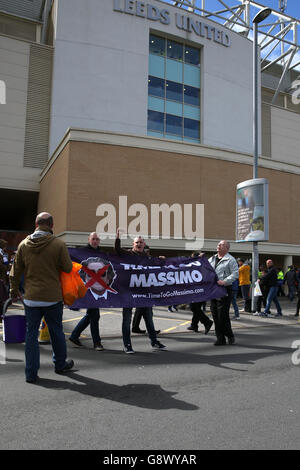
199 315
220 312
137 318
298 302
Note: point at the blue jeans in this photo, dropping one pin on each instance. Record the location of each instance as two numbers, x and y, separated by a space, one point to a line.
148 318
53 318
91 318
234 304
272 295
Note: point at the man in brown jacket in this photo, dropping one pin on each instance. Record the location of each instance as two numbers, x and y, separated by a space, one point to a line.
41 257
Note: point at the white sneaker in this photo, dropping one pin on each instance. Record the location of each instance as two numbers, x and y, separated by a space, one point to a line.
256 314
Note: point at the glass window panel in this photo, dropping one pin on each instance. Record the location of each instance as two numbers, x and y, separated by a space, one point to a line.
173 124
191 75
156 134
157 45
191 112
156 66
155 121
156 104
174 108
174 91
192 141
174 70
191 95
192 128
156 87
192 55
173 137
175 50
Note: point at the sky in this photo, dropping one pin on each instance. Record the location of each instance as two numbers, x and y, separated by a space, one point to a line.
293 6
292 9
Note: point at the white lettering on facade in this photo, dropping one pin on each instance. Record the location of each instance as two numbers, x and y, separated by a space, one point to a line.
183 22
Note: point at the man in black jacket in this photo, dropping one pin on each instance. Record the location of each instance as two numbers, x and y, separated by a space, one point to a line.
291 279
92 314
270 281
137 251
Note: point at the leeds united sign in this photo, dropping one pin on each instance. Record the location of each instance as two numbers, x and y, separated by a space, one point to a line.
184 22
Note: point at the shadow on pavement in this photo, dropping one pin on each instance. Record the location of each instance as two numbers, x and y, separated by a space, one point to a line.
140 395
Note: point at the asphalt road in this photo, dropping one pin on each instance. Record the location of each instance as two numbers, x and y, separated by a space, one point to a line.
193 396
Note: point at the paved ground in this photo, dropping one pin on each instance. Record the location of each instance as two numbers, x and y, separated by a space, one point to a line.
193 396
170 323
166 322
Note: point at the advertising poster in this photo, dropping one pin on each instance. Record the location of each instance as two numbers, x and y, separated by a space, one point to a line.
252 211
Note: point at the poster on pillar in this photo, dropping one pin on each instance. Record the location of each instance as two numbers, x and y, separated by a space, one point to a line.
252 210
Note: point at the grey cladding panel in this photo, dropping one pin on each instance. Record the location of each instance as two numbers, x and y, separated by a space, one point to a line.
27 8
38 107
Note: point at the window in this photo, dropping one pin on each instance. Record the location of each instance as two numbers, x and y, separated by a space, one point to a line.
173 89
157 45
173 125
192 56
155 121
191 95
156 87
191 128
175 50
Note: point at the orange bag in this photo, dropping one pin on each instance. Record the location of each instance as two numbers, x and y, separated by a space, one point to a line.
72 285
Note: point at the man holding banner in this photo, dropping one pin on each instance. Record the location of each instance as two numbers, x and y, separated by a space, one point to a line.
137 251
227 271
92 315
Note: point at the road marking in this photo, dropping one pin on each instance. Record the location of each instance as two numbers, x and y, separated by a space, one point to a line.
72 319
175 327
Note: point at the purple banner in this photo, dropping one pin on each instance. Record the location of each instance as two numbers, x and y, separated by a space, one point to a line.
116 281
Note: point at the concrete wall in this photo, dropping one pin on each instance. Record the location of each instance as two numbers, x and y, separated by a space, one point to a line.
101 69
54 196
285 136
14 60
149 176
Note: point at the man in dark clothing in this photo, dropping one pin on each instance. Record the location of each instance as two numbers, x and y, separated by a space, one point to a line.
137 251
92 314
291 279
270 281
298 293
